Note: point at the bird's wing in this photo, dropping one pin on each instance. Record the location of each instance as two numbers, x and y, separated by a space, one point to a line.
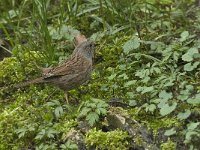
72 66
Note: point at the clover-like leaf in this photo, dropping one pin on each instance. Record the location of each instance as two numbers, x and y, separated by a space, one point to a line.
184 115
190 67
190 54
193 125
164 95
166 109
194 100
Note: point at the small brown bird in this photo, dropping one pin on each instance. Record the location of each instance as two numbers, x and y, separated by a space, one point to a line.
71 73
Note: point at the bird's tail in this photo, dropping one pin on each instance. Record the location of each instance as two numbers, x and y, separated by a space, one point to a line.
23 84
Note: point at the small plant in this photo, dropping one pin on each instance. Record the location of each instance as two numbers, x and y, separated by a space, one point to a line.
107 140
69 145
92 110
169 145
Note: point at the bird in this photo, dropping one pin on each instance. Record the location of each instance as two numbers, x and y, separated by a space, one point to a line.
70 74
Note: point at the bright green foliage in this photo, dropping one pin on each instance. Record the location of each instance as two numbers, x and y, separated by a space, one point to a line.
170 132
131 45
147 55
107 140
92 110
191 132
69 145
169 145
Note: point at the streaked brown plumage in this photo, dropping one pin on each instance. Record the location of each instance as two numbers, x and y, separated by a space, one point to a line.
72 72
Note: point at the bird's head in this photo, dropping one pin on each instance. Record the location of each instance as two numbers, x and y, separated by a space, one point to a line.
86 48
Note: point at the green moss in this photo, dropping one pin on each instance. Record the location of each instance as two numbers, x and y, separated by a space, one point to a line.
169 145
165 122
138 140
14 69
113 140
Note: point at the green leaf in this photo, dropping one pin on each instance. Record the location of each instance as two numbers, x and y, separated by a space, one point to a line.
98 111
124 76
85 111
184 36
130 94
188 57
21 132
147 89
170 132
129 83
194 100
92 118
165 96
184 115
132 103
131 44
51 133
190 67
41 134
166 109
58 111
189 135
13 13
112 76
144 89
150 107
103 111
193 125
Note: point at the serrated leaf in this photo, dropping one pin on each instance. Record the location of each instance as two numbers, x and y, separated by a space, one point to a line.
92 118
41 134
139 88
147 89
84 111
111 77
50 133
98 111
170 132
157 70
166 109
129 83
58 111
131 44
103 111
21 132
184 115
